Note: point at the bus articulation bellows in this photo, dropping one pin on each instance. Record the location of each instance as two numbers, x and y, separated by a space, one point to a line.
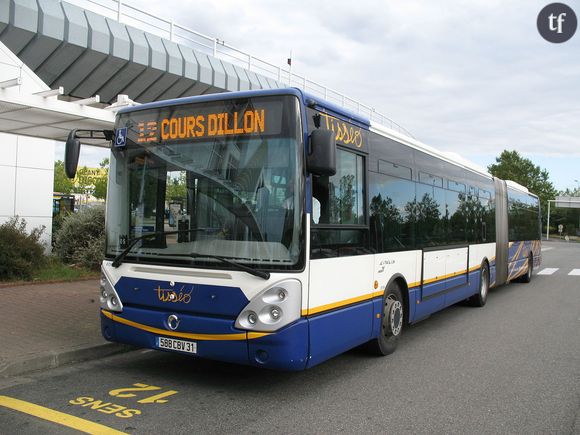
274 229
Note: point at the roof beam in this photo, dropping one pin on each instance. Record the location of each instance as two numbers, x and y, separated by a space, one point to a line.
11 83
88 101
51 92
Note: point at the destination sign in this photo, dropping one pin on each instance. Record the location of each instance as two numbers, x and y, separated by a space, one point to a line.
213 124
206 120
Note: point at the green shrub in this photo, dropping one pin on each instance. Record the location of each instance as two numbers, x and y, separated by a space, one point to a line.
21 253
92 254
56 224
81 238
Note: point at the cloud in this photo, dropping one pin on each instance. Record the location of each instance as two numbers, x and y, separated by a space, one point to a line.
470 77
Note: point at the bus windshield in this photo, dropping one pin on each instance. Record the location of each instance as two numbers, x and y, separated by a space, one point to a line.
233 191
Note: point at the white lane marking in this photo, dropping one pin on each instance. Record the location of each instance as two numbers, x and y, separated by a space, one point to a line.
575 272
548 271
547 248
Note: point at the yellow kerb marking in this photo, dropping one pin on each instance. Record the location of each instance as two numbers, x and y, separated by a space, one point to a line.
57 417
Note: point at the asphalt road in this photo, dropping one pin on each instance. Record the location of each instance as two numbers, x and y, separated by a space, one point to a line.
511 367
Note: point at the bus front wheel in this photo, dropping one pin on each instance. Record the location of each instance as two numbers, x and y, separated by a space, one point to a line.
392 320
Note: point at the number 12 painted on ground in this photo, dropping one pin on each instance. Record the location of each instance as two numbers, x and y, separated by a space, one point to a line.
141 388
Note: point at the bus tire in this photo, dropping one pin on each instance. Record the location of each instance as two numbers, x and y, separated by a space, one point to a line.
527 277
480 298
392 321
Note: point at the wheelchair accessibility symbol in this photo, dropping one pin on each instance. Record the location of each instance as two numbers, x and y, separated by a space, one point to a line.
121 137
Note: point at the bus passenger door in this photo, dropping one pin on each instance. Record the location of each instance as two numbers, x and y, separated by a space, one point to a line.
340 307
456 271
455 267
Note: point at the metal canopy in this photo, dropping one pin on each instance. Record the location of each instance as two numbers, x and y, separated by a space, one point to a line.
48 118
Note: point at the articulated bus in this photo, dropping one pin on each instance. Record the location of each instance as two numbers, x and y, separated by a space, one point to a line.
272 228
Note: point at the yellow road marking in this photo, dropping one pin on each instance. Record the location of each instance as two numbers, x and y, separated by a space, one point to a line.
57 417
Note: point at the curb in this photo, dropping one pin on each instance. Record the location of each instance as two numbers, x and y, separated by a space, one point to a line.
53 359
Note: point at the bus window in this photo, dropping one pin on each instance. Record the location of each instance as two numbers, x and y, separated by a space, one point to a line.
391 210
339 203
341 196
431 180
431 216
456 212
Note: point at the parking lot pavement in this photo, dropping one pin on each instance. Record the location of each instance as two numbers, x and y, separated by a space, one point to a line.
47 325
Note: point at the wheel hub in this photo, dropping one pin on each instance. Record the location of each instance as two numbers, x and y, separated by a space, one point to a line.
394 311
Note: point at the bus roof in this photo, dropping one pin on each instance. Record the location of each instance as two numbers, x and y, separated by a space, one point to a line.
306 98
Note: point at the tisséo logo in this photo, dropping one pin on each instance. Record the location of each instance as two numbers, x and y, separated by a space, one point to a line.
557 23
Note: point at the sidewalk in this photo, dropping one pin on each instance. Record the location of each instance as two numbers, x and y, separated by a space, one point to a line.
47 325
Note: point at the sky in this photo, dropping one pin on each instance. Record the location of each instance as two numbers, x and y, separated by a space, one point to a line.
472 77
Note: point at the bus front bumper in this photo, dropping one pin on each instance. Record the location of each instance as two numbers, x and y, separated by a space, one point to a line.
214 338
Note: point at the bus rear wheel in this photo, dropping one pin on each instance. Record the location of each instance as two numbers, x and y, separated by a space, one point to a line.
528 275
480 298
392 320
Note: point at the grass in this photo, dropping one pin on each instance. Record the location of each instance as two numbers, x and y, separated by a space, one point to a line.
55 270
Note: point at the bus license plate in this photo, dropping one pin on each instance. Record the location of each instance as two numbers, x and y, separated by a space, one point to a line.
177 345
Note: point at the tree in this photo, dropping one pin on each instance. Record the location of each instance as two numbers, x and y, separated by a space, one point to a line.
62 183
510 165
100 182
177 187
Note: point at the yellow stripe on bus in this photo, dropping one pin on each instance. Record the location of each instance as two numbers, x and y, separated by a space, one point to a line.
57 417
190 336
365 297
449 275
342 303
354 300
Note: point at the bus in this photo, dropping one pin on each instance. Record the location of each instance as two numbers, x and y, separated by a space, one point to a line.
300 230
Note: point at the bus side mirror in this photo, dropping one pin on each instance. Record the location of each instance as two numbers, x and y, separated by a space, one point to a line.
71 154
321 160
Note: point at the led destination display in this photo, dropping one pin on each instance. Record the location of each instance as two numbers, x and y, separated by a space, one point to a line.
214 124
206 120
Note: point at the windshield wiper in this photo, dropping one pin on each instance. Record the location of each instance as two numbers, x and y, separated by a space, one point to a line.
234 264
118 260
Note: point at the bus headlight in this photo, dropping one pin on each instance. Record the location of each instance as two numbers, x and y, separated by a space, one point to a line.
109 299
273 308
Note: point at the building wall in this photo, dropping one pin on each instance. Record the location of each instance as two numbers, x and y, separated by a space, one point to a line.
26 181
26 164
